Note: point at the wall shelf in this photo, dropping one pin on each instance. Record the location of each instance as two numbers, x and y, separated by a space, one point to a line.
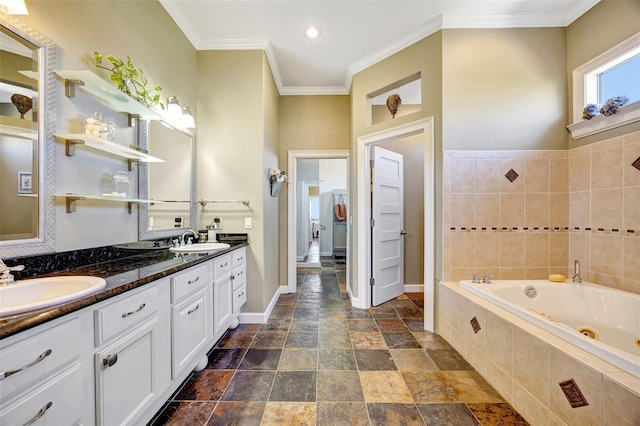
134 155
90 83
70 200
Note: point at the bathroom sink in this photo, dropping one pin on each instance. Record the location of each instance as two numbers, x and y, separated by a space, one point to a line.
38 293
200 248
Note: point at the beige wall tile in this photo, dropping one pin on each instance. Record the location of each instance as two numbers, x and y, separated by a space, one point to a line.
462 210
559 249
463 173
606 254
531 364
499 379
564 367
487 176
536 249
606 280
579 249
606 169
559 175
631 258
631 174
517 186
487 210
536 175
579 173
512 210
536 210
535 412
487 247
606 208
500 342
463 250
536 273
461 273
511 250
580 209
632 207
632 286
511 273
458 313
446 187
621 406
478 340
446 163
559 209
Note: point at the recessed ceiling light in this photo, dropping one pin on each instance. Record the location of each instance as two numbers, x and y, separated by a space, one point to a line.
311 31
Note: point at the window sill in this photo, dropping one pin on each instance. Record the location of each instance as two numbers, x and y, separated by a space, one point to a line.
625 115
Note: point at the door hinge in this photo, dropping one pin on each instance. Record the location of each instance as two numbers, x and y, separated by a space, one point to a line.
372 163
372 222
372 281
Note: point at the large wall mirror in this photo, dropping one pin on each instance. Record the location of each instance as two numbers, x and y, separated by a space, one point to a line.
171 182
27 120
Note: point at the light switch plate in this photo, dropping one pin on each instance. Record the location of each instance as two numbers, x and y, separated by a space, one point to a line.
248 223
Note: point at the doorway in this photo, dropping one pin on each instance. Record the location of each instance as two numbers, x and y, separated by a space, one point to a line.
422 129
306 234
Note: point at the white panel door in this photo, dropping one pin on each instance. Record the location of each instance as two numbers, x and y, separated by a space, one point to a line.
387 250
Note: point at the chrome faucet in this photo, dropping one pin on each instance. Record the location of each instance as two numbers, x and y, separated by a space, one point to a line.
6 278
184 234
487 278
475 278
576 277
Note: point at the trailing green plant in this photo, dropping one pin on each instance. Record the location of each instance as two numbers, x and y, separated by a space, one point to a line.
129 79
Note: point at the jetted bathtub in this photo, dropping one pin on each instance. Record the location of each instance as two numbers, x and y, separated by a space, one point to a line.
600 320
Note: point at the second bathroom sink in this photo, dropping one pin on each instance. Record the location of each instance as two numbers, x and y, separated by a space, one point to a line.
200 248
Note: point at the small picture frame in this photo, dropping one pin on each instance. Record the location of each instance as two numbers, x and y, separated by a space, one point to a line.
24 183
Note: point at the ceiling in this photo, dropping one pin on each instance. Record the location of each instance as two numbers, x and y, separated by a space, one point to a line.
354 33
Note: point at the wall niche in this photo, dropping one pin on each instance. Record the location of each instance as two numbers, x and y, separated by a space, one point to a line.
383 103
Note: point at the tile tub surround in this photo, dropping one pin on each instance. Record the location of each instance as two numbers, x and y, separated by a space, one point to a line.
318 361
582 203
122 273
526 364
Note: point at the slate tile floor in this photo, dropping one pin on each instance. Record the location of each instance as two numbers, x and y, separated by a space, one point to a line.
318 361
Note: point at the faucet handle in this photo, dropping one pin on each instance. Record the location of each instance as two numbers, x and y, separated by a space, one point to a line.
475 278
487 278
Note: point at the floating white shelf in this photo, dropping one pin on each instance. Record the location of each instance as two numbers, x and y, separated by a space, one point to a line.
89 82
83 139
72 198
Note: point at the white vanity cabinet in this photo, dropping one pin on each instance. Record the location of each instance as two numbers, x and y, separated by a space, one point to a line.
41 376
132 363
239 278
191 316
222 292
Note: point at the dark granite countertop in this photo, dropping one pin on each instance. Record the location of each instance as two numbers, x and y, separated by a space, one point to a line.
121 275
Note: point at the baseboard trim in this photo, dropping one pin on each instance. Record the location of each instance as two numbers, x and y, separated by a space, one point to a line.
414 288
262 317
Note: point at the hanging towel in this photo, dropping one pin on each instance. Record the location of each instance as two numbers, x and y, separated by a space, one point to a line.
340 209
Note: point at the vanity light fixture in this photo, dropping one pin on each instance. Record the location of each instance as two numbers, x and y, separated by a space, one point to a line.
13 7
187 121
174 111
311 31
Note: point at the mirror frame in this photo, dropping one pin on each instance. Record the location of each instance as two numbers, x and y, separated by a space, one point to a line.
143 187
45 242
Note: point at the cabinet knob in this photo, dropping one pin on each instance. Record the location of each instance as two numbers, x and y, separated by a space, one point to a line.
109 361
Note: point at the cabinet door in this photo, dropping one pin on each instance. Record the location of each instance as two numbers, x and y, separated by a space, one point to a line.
125 378
58 401
222 301
190 329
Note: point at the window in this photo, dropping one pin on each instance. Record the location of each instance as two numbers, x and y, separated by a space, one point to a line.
614 73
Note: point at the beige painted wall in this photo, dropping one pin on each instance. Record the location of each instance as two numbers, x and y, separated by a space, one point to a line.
425 57
605 25
111 27
308 123
504 88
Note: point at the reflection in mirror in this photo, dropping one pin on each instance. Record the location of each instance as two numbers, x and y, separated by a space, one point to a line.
26 146
410 92
169 182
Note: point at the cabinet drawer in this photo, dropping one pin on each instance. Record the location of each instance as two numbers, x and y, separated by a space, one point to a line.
239 257
221 265
189 281
190 329
125 313
239 298
239 277
59 402
30 359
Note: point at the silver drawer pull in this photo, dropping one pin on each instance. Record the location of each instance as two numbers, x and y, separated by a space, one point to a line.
194 281
189 312
126 314
241 294
225 264
42 356
109 361
43 410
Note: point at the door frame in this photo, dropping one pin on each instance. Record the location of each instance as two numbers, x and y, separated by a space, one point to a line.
422 127
292 218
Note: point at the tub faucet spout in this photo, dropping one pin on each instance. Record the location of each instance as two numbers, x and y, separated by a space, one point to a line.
576 277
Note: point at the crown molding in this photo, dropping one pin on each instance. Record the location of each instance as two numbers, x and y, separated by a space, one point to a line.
578 10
